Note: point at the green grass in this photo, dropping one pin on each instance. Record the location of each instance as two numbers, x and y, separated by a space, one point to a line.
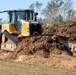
18 68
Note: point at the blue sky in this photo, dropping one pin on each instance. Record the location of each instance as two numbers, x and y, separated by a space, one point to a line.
18 4
23 4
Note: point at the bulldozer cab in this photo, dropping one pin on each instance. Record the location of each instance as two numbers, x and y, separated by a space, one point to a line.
23 22
16 15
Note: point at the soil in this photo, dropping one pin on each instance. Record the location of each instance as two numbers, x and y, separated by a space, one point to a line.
48 49
66 29
40 45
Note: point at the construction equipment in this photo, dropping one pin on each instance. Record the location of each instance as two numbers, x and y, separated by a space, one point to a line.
21 23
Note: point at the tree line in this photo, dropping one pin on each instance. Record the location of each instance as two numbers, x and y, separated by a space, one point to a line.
56 11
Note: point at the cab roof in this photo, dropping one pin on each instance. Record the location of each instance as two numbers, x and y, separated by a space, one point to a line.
18 10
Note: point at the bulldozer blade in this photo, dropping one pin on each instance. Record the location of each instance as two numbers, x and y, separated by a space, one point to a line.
9 41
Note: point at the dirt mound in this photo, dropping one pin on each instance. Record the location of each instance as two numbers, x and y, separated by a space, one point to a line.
46 50
41 45
66 29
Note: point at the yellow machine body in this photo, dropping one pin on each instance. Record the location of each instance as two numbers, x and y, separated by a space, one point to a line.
25 29
10 28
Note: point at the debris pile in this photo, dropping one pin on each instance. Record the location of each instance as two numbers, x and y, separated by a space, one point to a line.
47 49
66 29
40 45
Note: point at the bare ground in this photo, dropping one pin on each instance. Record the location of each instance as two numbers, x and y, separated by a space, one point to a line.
45 52
18 68
42 50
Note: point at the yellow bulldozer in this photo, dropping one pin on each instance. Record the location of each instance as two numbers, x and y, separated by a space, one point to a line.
22 23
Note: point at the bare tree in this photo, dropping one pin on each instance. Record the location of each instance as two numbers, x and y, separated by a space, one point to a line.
52 10
68 12
32 6
58 11
36 7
